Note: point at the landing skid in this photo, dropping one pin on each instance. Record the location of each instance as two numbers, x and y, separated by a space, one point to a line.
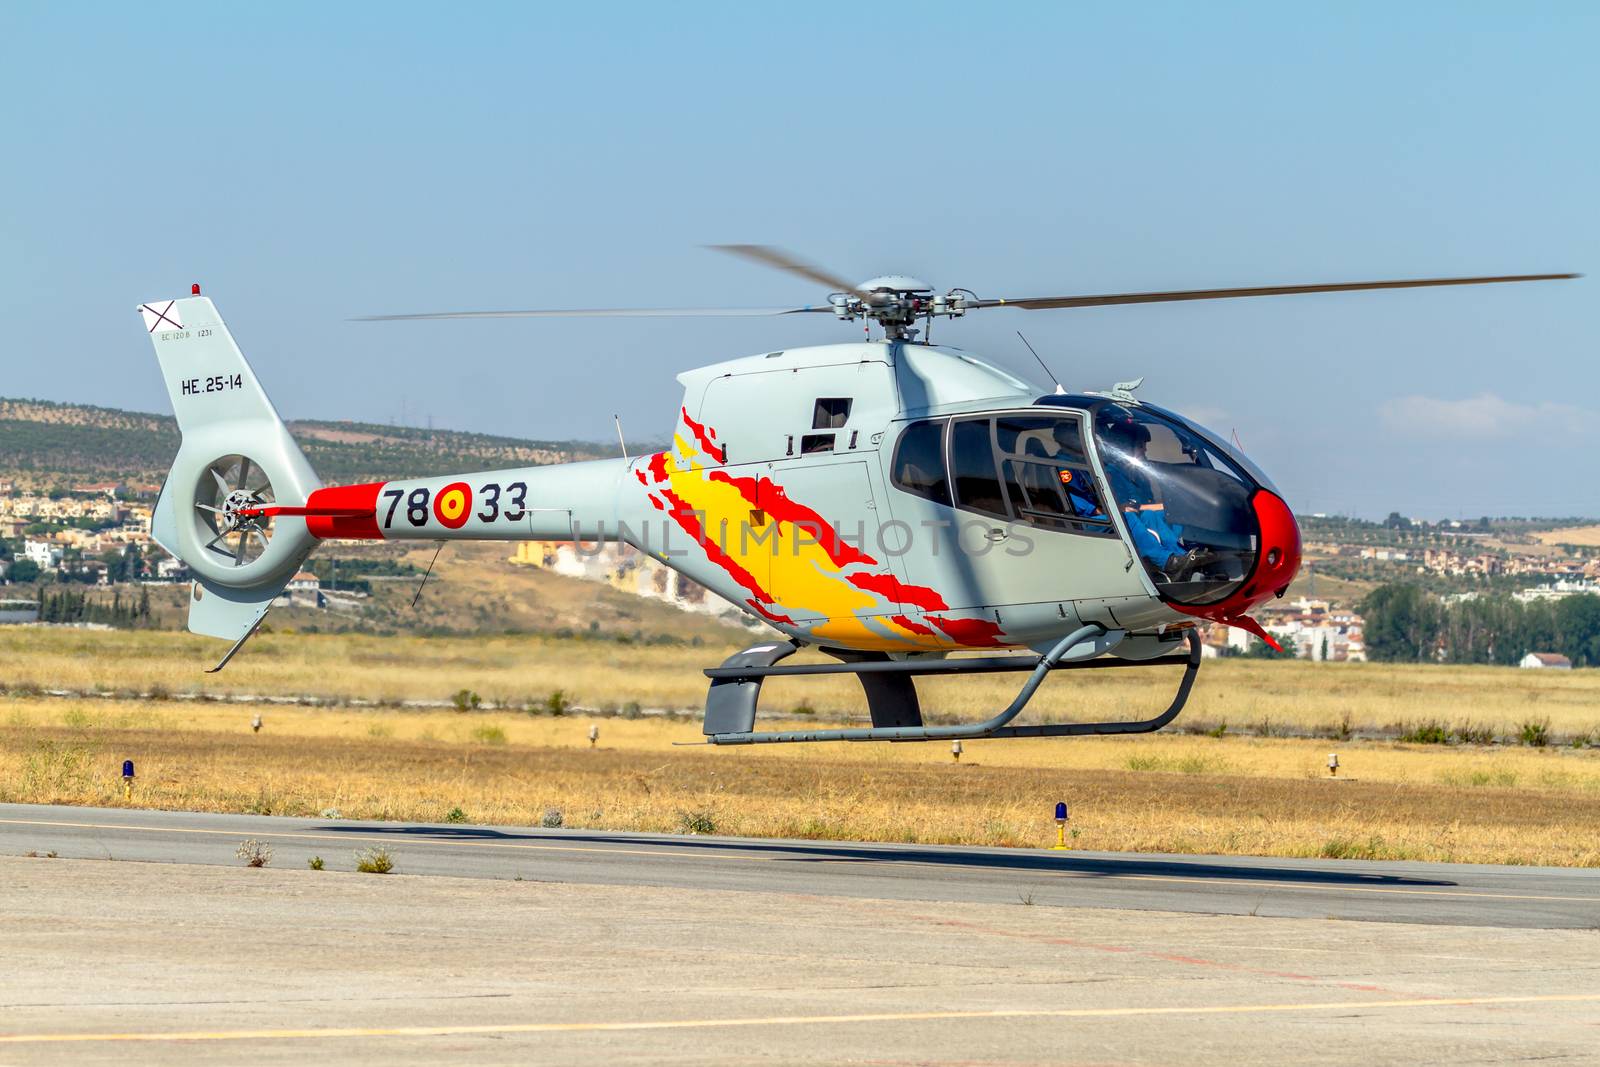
892 697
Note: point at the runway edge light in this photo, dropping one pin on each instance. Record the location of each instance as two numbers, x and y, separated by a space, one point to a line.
1061 825
127 779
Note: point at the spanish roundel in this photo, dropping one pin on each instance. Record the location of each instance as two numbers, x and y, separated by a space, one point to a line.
452 505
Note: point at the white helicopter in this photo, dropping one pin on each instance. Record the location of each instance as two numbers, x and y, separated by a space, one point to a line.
887 501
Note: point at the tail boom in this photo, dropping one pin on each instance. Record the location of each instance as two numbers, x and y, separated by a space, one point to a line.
558 502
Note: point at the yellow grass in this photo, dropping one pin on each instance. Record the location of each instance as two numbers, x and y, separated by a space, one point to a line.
1161 793
1587 536
1252 696
1239 794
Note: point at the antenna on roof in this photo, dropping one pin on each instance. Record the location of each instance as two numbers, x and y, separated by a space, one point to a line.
1059 389
618 420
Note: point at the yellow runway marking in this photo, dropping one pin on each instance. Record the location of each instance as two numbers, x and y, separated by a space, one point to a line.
790 1020
392 838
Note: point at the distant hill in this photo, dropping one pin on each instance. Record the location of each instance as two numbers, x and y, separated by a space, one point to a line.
45 442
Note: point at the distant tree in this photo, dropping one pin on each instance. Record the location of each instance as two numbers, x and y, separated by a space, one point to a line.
1259 649
1396 521
1404 623
1577 625
24 570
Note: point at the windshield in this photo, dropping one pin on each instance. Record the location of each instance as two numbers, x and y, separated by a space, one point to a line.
1185 502
1222 444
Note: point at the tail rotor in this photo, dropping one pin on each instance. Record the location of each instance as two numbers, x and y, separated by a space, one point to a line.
230 499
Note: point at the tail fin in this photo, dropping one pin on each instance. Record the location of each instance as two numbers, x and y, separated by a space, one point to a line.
236 458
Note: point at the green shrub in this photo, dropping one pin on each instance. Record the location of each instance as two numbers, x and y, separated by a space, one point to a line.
1426 732
700 821
315 863
455 815
375 860
1535 732
466 700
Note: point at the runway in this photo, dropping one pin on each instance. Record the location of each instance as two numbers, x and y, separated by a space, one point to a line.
507 945
1460 895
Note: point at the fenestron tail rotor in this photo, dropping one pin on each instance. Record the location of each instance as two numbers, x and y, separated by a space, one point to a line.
230 499
896 302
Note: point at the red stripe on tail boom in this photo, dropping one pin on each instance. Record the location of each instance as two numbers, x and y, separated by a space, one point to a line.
348 512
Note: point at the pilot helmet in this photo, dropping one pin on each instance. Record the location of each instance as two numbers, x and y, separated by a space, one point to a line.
1120 430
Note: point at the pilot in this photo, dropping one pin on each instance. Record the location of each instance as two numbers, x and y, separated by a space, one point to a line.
1126 461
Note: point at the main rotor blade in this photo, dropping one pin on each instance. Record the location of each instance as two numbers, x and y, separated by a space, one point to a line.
1042 303
777 257
623 313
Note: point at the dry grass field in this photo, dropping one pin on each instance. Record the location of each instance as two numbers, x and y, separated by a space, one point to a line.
1259 697
1247 792
1584 536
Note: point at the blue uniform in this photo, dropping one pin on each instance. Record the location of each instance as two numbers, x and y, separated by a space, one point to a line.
1155 539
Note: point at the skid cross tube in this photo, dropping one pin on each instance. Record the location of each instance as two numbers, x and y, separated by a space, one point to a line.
995 727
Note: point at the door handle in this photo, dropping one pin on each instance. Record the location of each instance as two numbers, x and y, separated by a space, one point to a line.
997 535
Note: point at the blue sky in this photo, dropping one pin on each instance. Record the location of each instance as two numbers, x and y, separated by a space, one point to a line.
309 163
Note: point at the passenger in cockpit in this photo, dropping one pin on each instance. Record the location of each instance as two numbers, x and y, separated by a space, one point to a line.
1081 494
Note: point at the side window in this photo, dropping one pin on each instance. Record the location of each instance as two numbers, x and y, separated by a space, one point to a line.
972 466
1047 473
919 462
830 413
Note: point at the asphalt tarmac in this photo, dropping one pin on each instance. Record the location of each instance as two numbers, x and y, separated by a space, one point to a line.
1452 894
506 945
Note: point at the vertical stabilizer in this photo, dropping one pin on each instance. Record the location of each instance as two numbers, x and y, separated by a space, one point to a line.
236 459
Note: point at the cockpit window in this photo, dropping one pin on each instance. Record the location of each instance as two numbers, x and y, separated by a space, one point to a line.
972 462
1047 471
1028 468
1186 504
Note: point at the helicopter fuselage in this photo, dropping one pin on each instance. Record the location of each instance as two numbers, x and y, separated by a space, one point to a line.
899 498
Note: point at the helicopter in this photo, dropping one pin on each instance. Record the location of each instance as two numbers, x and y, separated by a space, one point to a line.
909 509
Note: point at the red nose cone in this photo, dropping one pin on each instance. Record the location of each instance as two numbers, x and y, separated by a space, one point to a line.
1277 562
1279 558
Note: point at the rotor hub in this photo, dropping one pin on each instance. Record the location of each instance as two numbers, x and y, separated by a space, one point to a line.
896 302
236 501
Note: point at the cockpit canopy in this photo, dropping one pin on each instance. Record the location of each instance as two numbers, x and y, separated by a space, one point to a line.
1184 499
